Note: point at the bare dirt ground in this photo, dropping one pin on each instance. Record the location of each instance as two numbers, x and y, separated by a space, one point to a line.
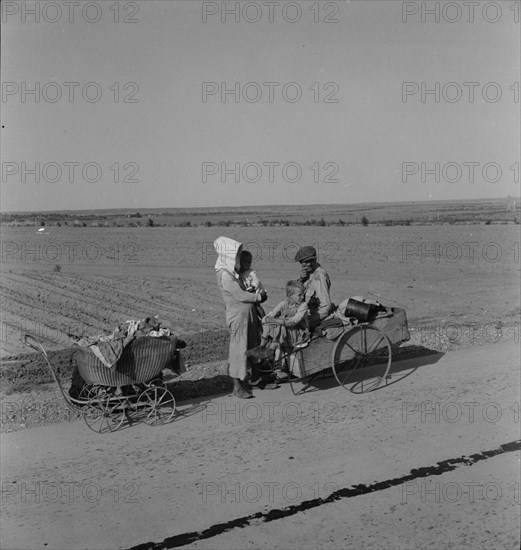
424 463
460 287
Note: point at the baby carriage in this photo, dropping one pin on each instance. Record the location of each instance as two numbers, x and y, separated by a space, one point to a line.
132 390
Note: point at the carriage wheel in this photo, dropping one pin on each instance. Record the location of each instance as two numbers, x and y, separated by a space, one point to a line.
157 405
89 392
156 382
362 359
103 414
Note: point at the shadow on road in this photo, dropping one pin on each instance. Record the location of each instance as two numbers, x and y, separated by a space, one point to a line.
404 363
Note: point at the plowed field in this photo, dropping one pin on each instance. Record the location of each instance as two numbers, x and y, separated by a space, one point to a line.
84 281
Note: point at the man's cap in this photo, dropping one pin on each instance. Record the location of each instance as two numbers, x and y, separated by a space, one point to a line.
305 253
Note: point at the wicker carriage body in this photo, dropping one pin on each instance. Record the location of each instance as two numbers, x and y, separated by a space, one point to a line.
141 361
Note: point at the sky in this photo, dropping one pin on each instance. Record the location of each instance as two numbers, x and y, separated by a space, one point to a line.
142 121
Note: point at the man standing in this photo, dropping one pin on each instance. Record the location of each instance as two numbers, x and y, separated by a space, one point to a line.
316 285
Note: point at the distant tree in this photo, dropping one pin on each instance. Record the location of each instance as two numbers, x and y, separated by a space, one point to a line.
365 221
208 223
322 222
150 222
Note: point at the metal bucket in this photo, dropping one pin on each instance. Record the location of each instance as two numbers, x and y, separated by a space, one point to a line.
360 310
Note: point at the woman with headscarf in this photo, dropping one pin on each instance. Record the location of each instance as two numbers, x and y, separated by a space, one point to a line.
241 314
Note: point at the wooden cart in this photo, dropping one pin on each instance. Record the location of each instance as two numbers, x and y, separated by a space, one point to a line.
360 357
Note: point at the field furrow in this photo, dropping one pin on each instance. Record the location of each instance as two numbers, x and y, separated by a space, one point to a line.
431 271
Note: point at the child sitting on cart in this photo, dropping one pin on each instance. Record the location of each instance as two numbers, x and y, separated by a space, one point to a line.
286 326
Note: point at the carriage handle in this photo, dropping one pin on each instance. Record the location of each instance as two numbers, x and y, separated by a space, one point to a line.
35 344
38 346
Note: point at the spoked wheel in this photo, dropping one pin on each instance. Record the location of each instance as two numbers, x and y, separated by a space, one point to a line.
297 384
105 414
362 359
264 366
157 405
156 382
89 392
293 385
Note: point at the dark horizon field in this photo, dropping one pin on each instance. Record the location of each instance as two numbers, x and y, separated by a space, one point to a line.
479 210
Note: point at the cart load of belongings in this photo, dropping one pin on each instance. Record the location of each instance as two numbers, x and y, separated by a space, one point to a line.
350 312
107 350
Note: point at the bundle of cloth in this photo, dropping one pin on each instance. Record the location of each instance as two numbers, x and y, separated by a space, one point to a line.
108 349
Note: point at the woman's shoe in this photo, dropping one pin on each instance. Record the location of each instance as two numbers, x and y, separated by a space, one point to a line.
245 386
242 394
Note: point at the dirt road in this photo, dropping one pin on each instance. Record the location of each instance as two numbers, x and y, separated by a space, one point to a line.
224 459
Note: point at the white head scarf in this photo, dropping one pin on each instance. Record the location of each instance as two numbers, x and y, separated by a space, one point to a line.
227 252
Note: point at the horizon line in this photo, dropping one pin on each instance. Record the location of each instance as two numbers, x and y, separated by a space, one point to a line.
256 206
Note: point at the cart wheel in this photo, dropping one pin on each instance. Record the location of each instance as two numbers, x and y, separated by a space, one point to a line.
88 392
294 390
265 366
157 404
155 383
105 414
362 358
